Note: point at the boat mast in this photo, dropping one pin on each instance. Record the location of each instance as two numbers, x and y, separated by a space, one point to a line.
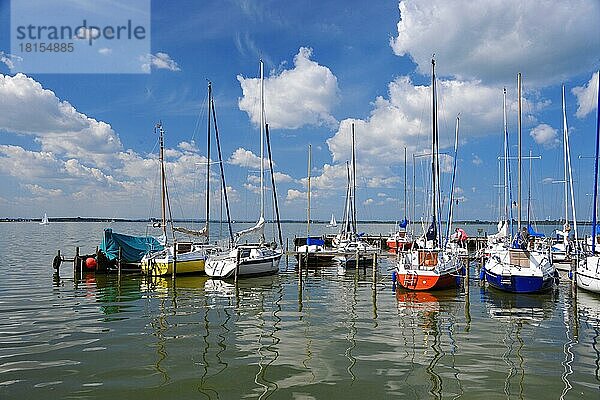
208 162
308 195
568 165
262 127
163 186
434 204
506 214
519 150
405 199
353 183
529 193
595 205
451 205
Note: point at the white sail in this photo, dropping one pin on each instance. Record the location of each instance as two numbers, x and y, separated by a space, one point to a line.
201 233
45 220
332 222
259 227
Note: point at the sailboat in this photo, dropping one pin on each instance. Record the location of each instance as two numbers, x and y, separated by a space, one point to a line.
313 244
520 267
44 220
182 257
561 250
430 266
588 271
352 250
332 222
399 240
255 258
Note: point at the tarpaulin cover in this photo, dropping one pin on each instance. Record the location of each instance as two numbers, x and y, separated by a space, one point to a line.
133 248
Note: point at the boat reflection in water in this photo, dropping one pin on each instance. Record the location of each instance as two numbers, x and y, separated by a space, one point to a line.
520 316
588 311
428 325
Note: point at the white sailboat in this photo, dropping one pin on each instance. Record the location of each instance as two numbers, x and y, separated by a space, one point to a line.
588 271
44 220
332 222
254 258
352 250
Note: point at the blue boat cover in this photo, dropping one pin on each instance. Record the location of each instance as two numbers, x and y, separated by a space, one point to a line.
404 223
532 232
133 248
315 241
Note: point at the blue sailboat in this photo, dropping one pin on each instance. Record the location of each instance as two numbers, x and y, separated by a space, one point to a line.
522 266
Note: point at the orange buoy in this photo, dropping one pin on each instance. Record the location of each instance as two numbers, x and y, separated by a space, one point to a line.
90 263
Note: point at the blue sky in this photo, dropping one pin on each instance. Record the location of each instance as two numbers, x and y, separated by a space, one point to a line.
83 144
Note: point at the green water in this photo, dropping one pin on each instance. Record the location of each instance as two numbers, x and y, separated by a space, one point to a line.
323 335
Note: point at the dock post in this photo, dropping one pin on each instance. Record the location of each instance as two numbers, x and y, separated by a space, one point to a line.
174 271
237 268
287 250
119 264
56 262
374 270
76 263
357 259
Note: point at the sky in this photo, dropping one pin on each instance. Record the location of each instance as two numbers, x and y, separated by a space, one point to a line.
83 144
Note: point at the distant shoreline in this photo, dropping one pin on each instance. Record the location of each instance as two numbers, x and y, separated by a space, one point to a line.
151 220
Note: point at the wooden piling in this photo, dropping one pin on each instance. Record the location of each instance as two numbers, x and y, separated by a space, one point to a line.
374 270
119 263
76 262
237 267
174 270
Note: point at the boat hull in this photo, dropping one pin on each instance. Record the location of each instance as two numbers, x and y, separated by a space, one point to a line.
424 280
588 274
518 271
519 284
165 267
225 266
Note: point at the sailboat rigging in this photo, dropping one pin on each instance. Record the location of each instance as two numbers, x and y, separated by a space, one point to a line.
430 266
254 258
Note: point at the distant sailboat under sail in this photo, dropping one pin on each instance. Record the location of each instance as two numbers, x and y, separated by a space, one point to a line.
45 220
332 222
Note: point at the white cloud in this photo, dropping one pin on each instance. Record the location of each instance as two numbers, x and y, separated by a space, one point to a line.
37 190
492 40
587 96
105 51
9 59
368 201
245 158
295 97
545 135
55 124
477 160
188 146
159 61
295 195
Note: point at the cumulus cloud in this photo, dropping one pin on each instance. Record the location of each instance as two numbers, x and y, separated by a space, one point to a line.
586 96
81 160
158 61
477 160
244 158
491 40
295 195
303 95
55 124
545 135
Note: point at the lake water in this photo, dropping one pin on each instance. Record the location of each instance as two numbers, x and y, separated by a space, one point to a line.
320 336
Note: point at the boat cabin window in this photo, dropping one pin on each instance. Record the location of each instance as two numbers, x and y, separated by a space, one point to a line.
245 253
184 248
428 258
